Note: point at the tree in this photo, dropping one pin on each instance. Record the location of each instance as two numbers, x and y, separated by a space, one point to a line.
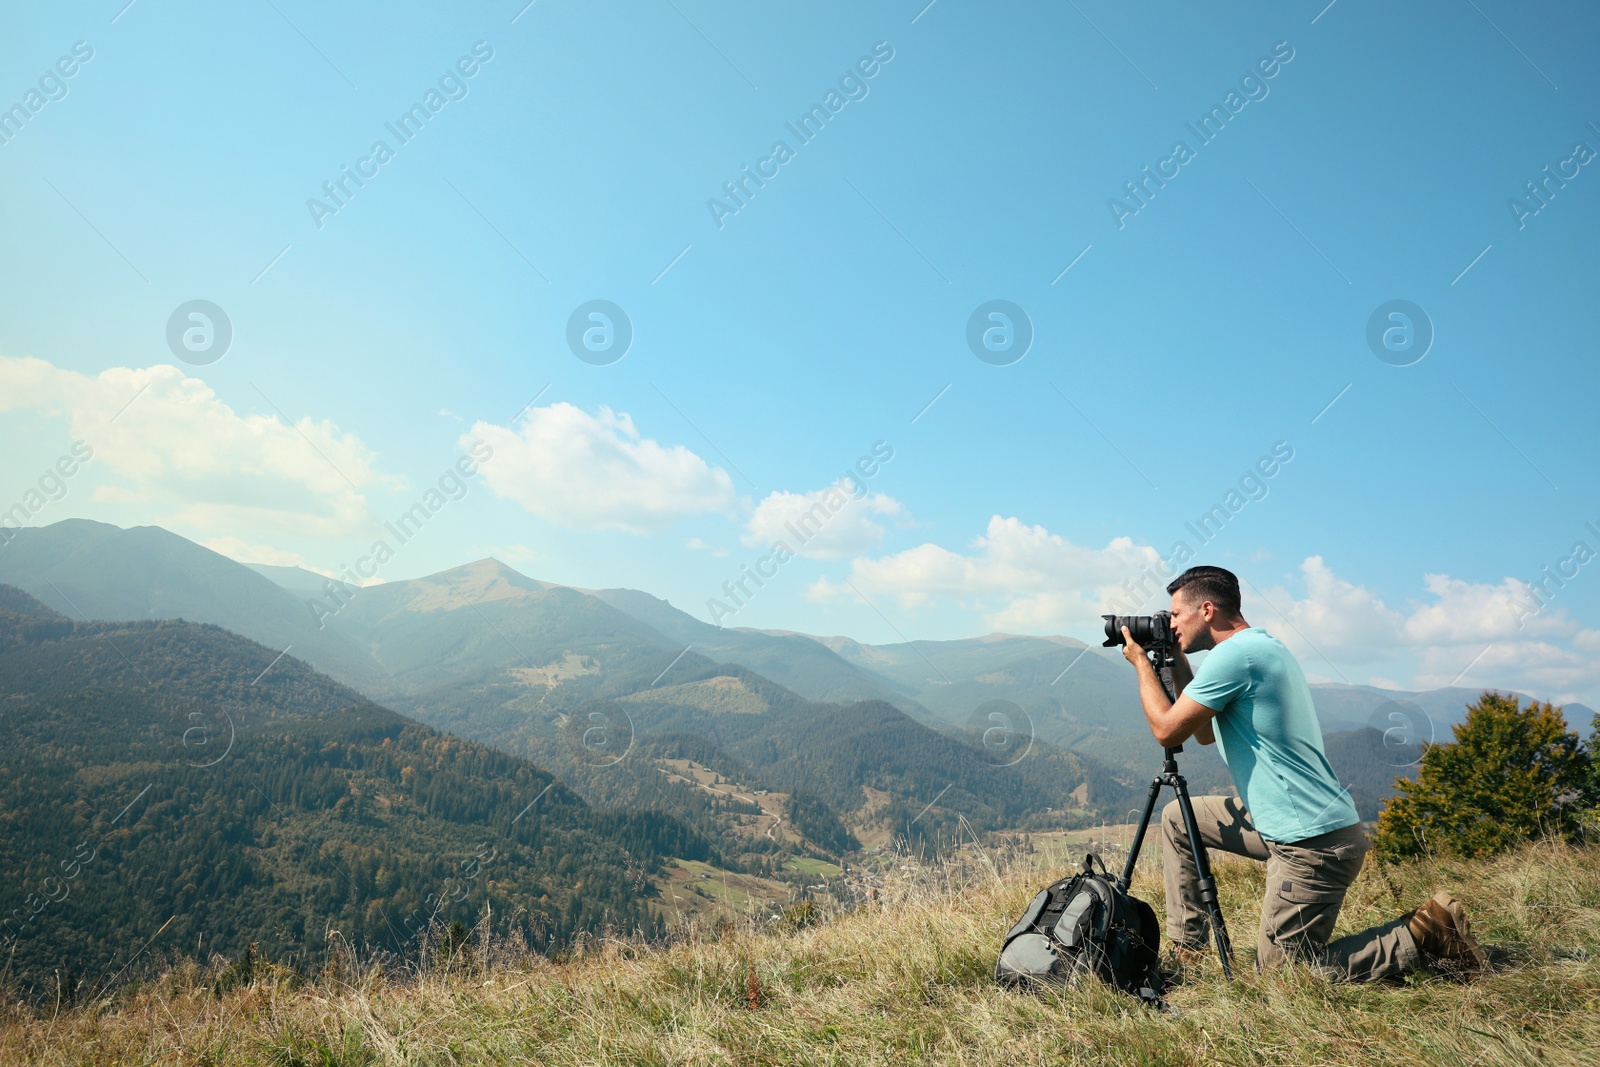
1510 775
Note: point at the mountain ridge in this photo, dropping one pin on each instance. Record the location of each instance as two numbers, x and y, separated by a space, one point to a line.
489 653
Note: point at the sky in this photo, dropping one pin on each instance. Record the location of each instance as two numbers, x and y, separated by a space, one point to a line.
936 318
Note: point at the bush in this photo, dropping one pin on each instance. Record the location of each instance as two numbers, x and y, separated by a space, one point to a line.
1512 774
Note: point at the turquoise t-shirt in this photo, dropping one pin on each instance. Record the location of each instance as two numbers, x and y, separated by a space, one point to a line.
1268 735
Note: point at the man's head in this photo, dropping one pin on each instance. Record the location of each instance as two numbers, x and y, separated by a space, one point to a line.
1205 607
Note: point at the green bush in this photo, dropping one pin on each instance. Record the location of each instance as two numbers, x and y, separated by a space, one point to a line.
1512 774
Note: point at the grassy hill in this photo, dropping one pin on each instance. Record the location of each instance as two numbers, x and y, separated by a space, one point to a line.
905 980
174 784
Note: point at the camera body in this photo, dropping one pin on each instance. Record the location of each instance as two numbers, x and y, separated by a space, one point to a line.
1154 632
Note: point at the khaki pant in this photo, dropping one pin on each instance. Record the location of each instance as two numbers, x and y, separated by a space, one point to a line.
1306 884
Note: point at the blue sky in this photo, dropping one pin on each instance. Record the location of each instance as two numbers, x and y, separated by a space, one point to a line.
1173 346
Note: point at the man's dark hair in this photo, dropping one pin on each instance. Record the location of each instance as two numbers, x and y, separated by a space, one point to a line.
1210 583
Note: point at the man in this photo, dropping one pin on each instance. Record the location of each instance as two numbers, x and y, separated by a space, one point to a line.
1251 699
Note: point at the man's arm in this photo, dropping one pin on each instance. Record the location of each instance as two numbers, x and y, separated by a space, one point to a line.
1171 722
1182 675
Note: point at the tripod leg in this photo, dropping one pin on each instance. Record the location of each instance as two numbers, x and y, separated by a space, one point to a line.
1202 863
1138 837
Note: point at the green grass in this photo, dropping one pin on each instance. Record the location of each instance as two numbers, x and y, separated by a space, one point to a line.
815 867
718 886
905 981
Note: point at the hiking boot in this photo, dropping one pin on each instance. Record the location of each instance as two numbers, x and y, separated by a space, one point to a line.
1444 937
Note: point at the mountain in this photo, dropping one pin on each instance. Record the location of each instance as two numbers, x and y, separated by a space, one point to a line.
877 768
530 667
605 699
1075 695
799 662
1414 717
542 671
175 786
92 570
486 624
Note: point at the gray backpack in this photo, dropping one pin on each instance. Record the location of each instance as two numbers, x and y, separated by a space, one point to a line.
1085 925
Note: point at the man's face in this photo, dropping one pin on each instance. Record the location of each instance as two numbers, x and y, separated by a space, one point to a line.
1189 623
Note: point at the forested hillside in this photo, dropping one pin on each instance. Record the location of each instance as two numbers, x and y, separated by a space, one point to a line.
842 755
170 787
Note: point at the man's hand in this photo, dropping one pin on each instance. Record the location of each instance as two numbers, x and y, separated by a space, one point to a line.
1132 650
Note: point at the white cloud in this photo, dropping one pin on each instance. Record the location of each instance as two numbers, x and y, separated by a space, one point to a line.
1020 577
178 455
1334 616
1462 633
597 472
1466 612
1541 668
1456 632
830 523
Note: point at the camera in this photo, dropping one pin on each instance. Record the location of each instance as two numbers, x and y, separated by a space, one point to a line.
1151 631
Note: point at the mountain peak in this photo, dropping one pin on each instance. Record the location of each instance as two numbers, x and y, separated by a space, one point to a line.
473 583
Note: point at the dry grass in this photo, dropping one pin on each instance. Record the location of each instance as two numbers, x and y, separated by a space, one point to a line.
908 981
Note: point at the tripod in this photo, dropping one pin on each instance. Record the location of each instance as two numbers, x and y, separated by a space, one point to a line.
1161 660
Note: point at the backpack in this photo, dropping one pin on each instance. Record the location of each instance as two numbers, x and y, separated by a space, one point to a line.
1084 925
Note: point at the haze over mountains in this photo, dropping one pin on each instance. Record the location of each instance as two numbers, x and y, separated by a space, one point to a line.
413 636
90 570
485 651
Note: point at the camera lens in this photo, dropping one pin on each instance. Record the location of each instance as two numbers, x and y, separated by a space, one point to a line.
1147 630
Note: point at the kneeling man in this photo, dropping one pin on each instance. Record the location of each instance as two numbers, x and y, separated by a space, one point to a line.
1250 698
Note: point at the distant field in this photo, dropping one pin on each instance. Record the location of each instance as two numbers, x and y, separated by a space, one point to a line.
1058 847
819 868
692 889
